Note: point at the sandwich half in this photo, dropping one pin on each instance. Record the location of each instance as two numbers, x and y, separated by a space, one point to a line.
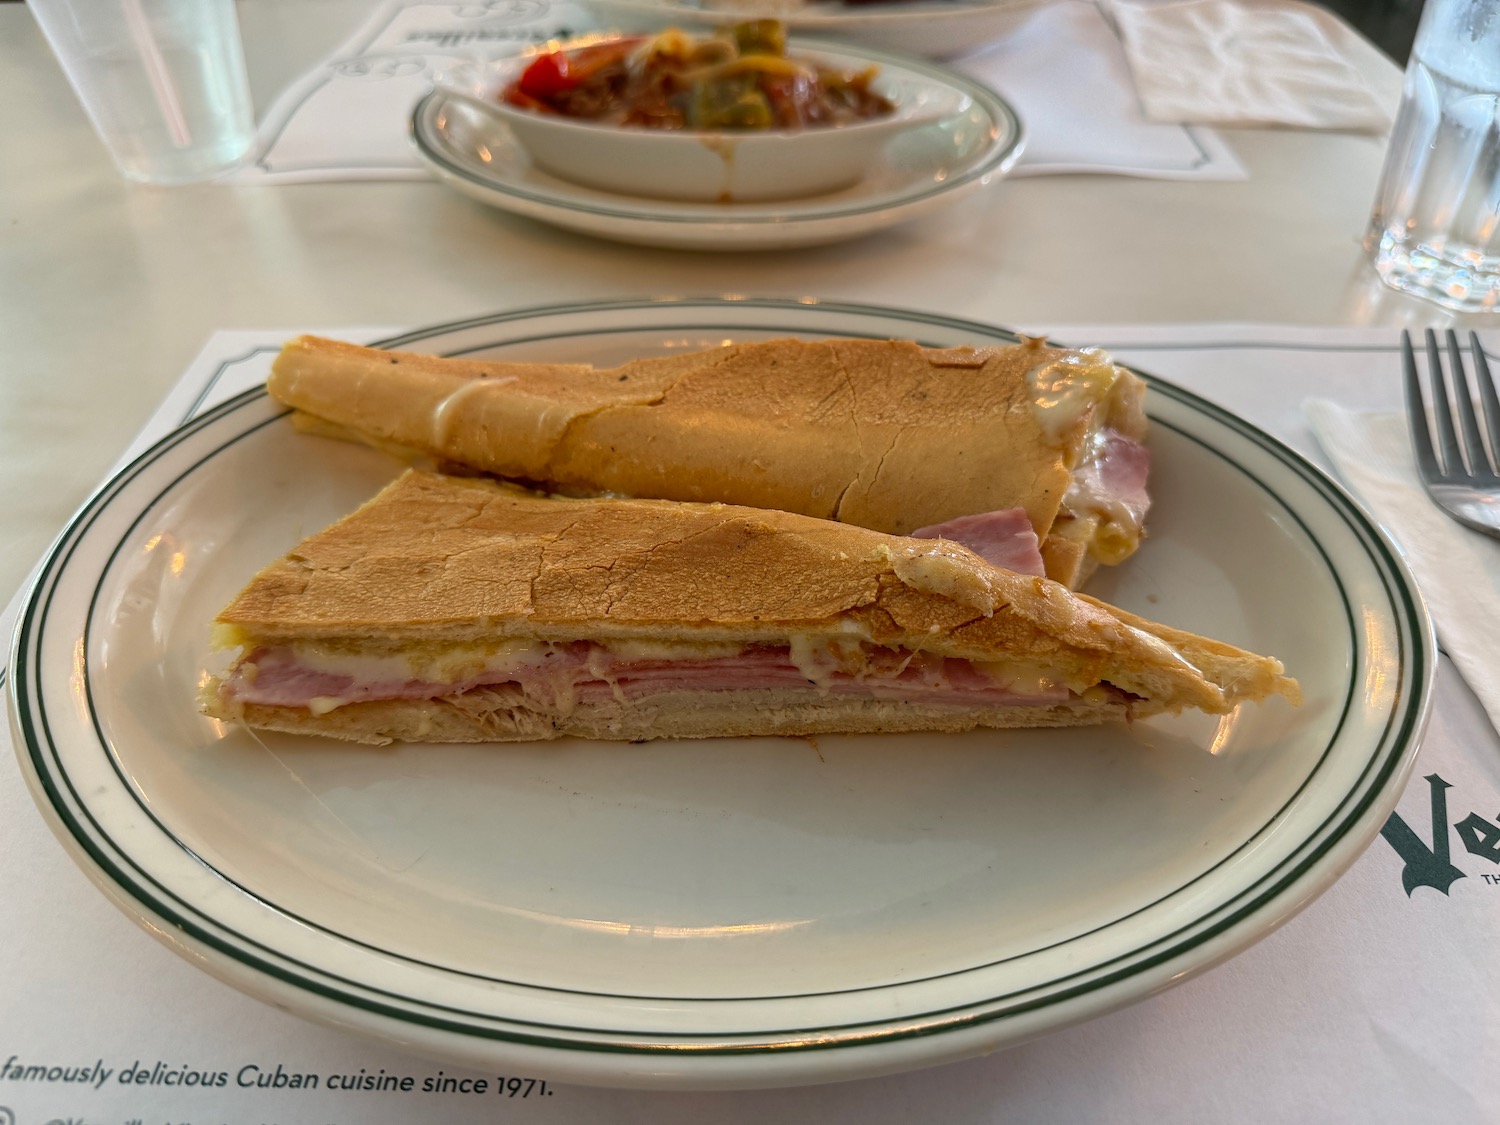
466 610
1031 455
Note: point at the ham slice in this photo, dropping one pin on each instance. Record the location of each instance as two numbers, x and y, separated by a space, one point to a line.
1113 481
1004 538
1110 484
585 672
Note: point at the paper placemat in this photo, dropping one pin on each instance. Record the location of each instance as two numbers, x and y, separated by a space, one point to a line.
1064 71
1373 1005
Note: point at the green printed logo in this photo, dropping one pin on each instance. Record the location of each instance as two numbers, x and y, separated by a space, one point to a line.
1430 864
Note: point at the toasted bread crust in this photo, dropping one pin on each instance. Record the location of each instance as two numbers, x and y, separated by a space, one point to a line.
501 715
882 434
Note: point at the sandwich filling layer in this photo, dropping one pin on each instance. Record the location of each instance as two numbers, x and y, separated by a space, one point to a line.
1104 509
459 609
561 675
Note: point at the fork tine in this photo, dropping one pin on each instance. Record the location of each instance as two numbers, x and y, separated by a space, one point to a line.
1473 441
1421 433
1442 412
1489 403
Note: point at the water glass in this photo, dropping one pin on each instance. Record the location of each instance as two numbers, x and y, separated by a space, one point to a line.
162 81
1435 228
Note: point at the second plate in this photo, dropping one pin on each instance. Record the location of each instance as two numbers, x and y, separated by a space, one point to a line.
921 171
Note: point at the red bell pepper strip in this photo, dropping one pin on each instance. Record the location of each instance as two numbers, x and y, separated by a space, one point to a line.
559 71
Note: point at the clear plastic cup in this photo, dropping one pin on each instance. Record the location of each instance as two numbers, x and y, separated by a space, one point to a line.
1435 228
162 81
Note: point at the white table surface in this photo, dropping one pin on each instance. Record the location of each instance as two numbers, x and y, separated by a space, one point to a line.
108 290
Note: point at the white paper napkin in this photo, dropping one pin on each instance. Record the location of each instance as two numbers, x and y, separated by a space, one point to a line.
1065 73
1457 570
1258 62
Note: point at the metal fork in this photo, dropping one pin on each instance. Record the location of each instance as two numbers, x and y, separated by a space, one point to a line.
1461 476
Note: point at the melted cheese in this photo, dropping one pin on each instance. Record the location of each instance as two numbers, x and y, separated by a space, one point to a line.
443 420
437 664
670 650
940 569
1020 676
1084 388
1066 392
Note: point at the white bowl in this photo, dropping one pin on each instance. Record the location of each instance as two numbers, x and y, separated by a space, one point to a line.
726 166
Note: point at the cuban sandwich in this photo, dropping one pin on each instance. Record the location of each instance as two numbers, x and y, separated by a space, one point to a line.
1032 455
463 609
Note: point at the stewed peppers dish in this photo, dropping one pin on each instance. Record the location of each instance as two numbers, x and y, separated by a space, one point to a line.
741 79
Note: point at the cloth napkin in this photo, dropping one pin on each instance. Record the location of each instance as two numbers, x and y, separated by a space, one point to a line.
1259 62
1457 570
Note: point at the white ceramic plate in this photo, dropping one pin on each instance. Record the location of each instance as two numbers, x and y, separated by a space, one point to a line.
935 28
717 913
920 171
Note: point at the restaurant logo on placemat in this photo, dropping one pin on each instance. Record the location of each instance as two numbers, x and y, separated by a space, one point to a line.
1430 864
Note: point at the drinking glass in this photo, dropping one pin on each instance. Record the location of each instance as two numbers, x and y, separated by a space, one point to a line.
162 81
1435 228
